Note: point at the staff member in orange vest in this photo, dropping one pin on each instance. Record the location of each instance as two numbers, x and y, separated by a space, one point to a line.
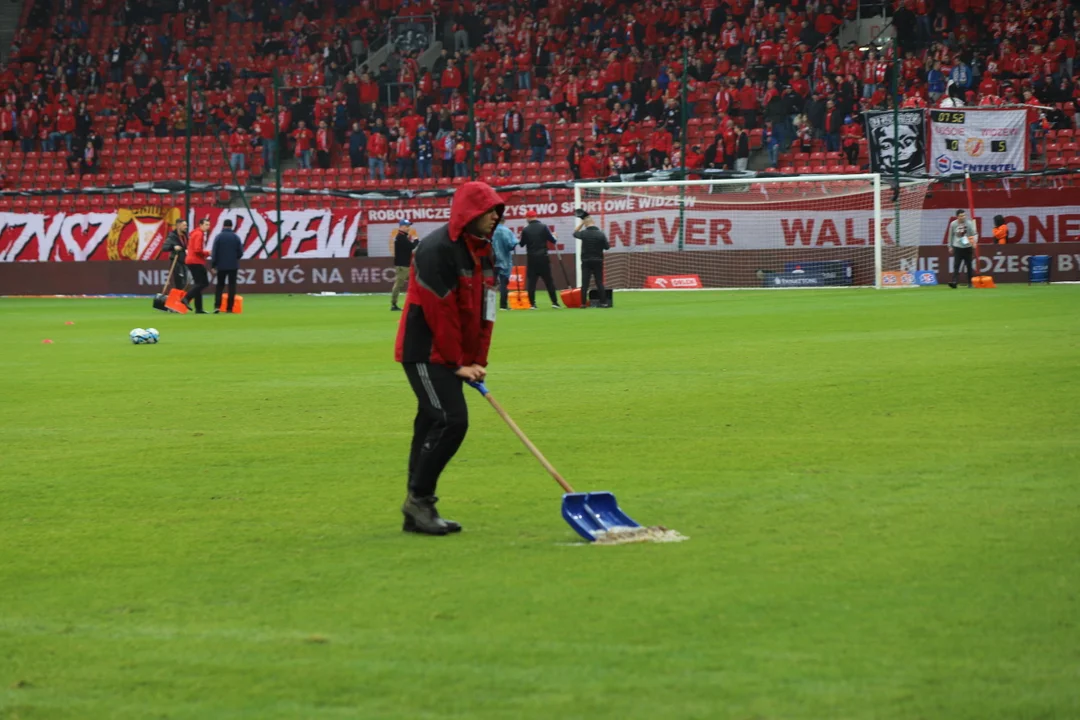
1001 230
195 261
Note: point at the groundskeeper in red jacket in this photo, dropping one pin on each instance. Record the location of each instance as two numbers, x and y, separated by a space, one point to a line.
443 341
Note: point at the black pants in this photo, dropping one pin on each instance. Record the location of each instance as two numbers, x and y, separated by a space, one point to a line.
179 275
852 152
504 291
540 268
442 419
965 257
222 277
199 282
323 158
592 269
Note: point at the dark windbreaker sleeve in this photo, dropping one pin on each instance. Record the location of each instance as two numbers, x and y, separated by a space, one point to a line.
437 280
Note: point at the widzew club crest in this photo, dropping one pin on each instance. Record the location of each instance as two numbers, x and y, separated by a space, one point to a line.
138 233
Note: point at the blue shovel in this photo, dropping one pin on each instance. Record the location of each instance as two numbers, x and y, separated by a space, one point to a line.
588 513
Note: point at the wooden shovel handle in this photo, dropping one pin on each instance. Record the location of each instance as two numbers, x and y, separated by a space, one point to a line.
168 278
528 443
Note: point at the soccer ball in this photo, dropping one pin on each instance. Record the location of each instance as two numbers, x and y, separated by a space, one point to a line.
154 333
142 337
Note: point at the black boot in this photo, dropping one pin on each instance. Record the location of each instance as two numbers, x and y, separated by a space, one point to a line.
422 517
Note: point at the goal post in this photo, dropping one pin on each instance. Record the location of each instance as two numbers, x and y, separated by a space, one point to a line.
798 231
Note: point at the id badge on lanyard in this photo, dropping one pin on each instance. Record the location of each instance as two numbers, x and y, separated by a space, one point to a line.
490 304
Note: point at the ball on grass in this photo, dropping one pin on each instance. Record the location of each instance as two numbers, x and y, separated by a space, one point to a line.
139 336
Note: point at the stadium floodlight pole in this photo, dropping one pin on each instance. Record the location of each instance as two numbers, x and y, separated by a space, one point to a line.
470 134
187 152
277 160
682 159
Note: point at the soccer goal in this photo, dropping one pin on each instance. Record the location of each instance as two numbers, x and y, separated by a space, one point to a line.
764 232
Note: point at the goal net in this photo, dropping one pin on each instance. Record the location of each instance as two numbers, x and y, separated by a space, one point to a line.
806 231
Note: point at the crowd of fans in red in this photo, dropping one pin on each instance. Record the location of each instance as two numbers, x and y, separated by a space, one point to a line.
542 90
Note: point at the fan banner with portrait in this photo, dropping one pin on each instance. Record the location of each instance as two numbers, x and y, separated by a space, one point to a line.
897 143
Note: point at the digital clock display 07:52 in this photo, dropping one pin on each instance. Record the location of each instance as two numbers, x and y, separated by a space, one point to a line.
945 116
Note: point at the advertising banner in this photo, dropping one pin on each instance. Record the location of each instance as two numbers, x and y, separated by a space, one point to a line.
984 140
631 224
138 233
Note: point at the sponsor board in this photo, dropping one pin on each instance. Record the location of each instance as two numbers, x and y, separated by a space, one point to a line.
794 279
673 282
1007 263
772 228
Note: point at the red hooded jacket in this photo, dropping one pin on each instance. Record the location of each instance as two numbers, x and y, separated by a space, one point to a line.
444 315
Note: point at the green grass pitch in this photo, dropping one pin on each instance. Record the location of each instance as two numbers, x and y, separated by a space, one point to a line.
881 491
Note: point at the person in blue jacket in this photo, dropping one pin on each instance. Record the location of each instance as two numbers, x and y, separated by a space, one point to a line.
503 242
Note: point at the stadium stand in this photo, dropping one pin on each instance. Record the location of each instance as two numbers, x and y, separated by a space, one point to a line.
94 91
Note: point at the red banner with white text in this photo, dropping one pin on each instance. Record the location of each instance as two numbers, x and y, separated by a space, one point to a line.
137 233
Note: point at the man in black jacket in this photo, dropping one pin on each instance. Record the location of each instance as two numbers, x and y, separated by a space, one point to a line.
176 245
535 238
593 245
225 259
405 242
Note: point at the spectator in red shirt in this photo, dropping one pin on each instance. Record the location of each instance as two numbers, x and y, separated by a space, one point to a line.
827 22
264 129
28 127
591 166
367 91
403 154
45 127
850 135
65 127
450 80
303 138
324 144
461 157
238 146
660 146
377 147
8 121
748 104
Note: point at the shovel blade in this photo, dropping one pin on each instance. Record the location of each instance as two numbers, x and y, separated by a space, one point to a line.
595 512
